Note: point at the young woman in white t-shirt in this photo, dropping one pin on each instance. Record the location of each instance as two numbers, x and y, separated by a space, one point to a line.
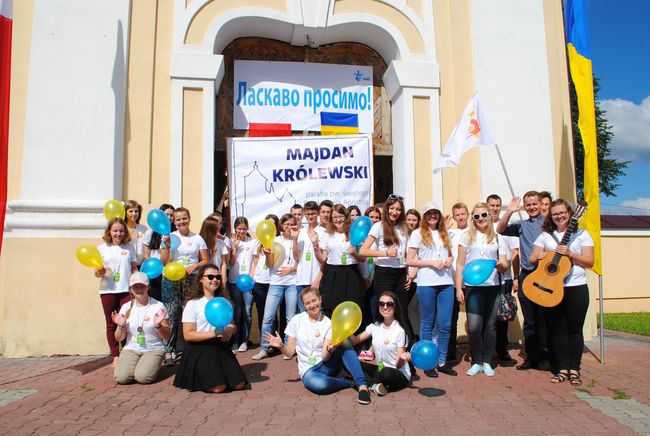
283 279
192 252
208 363
240 260
142 322
133 211
481 242
218 244
341 278
391 236
566 320
390 344
118 257
430 251
309 335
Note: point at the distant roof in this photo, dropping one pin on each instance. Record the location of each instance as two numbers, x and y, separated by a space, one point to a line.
625 221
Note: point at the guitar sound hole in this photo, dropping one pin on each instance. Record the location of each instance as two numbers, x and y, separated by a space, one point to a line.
552 269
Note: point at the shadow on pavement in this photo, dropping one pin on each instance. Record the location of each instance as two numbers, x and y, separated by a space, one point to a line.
254 371
431 392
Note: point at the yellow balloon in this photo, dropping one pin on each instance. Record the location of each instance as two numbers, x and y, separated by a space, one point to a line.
174 271
88 255
114 208
266 233
346 319
278 254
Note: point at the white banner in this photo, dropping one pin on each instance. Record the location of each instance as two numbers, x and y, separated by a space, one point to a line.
296 93
269 175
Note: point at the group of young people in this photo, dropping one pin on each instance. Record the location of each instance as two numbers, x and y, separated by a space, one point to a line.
314 268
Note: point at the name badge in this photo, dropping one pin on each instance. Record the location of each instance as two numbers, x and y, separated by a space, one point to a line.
400 260
380 365
308 256
116 276
243 268
344 259
140 339
311 360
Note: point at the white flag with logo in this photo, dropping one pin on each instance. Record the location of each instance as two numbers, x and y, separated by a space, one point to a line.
471 130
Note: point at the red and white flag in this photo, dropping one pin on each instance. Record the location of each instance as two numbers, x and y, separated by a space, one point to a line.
5 73
471 130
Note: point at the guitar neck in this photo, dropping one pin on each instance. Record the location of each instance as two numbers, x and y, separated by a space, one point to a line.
573 223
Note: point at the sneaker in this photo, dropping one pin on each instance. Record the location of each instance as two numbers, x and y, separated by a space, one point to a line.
243 348
234 348
366 355
262 354
364 396
487 369
475 369
431 373
447 370
379 389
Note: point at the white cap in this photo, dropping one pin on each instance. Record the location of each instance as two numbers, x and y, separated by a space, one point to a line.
138 277
430 206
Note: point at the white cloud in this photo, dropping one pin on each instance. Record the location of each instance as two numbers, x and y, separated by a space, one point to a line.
631 128
640 206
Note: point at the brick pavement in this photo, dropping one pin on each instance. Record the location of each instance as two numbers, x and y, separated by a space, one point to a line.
77 395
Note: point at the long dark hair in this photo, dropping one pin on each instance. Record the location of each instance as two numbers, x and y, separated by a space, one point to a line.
197 286
156 237
390 237
398 311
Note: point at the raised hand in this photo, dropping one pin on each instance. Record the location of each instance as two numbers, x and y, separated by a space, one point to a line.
159 317
274 341
515 204
118 319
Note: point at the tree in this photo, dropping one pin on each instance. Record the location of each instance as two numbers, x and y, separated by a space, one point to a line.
610 169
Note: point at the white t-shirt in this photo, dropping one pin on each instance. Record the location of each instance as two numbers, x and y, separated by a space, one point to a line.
244 259
512 243
287 260
195 312
188 250
262 272
310 337
337 248
577 275
146 241
118 259
386 341
308 266
143 317
480 249
137 236
427 275
222 249
377 231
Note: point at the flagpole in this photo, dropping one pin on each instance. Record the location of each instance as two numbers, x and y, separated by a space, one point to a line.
601 331
503 165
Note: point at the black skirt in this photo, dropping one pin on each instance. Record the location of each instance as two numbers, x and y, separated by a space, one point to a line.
341 283
208 364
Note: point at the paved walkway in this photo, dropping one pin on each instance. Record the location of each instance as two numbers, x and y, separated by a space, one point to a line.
77 395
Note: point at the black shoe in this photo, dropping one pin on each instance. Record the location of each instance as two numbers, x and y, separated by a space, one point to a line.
505 357
452 358
364 396
431 373
527 365
447 370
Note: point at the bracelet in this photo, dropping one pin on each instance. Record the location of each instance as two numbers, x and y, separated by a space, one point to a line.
158 326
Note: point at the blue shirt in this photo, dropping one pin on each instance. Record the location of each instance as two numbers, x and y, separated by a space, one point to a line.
527 231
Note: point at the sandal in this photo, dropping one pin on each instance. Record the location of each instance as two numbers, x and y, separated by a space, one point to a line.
574 379
560 377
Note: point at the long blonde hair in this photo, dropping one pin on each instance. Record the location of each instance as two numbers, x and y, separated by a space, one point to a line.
441 227
489 232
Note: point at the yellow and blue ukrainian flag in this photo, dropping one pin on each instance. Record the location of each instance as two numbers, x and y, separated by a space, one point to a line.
581 73
337 123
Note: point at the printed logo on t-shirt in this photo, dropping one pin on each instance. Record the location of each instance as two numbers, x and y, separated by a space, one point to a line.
124 252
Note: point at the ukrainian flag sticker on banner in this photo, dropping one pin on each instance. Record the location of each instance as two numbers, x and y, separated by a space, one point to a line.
337 123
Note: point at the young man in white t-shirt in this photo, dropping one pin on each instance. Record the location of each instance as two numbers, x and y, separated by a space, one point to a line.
460 215
309 268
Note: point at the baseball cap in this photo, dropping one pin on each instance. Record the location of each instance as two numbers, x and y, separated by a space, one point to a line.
430 206
138 277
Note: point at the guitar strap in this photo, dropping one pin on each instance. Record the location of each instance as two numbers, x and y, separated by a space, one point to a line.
555 238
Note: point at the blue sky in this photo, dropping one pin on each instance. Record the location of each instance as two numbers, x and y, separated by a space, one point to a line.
620 48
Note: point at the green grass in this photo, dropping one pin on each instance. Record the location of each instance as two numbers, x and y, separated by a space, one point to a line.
633 322
619 395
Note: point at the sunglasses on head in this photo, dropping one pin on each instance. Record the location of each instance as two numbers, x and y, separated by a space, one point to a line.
212 276
388 304
478 216
395 197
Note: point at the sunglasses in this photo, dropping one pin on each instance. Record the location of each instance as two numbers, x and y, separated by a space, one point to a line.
388 304
483 215
212 276
395 197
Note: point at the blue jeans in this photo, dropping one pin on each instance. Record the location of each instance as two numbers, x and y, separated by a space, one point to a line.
299 289
243 317
273 299
321 378
436 306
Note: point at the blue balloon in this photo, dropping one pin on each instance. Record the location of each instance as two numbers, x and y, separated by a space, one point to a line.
159 222
478 271
359 230
219 312
152 267
245 283
424 355
174 242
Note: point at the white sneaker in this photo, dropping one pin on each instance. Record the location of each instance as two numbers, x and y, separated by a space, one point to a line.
475 369
487 369
287 357
234 348
262 354
379 389
243 347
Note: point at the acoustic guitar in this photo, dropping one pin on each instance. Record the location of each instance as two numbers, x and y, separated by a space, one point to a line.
545 285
